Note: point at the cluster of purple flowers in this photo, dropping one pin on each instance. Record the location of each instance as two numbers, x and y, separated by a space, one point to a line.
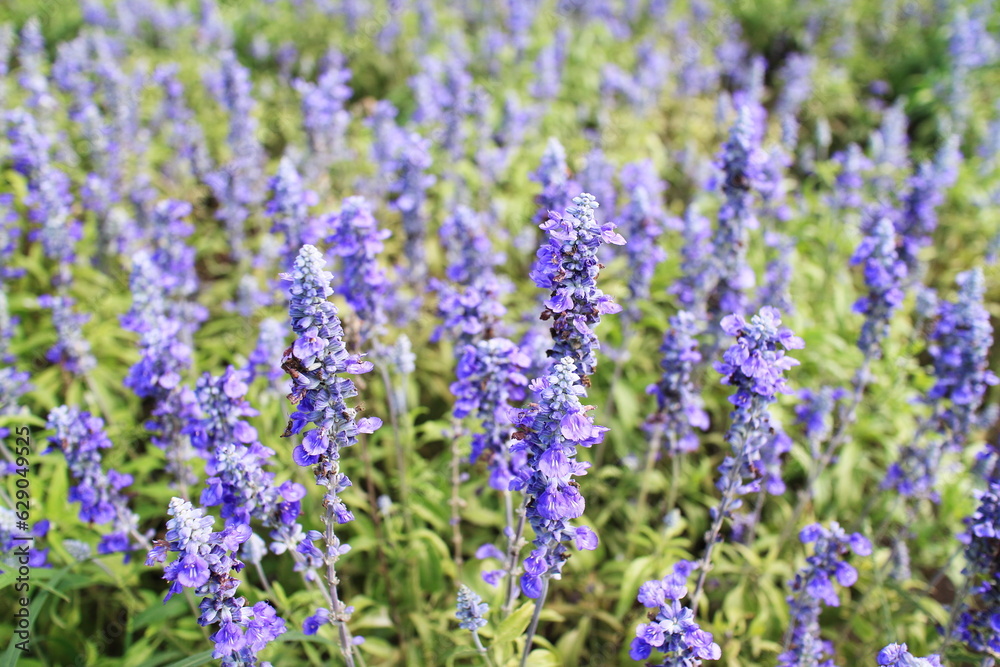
755 366
897 655
693 285
490 380
471 609
813 587
318 362
549 434
642 220
324 115
205 563
164 357
979 623
567 265
357 239
220 412
884 273
71 350
80 437
960 344
469 304
409 163
289 210
679 406
553 175
673 630
741 162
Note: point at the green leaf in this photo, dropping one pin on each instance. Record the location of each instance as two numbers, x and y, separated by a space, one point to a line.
543 658
514 625
196 660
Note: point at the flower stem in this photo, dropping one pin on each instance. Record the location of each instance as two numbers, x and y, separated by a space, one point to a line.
513 551
533 626
338 617
482 649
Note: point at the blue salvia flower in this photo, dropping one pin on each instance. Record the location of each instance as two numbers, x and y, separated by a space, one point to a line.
238 185
598 178
814 414
642 220
48 199
741 160
239 483
548 67
288 208
796 77
978 624
175 260
80 437
471 610
10 236
7 39
31 57
897 655
771 185
694 284
506 138
29 147
205 563
409 189
813 588
774 290
183 133
970 46
385 143
71 350
357 239
553 175
849 183
890 149
755 366
221 411
265 358
672 630
318 362
520 16
679 406
469 302
324 113
165 355
918 218
568 266
446 98
960 344
490 381
884 273
550 433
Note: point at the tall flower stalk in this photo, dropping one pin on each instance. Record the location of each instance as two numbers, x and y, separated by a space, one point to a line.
318 362
755 366
551 429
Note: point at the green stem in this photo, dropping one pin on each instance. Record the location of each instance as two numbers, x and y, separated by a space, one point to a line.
533 627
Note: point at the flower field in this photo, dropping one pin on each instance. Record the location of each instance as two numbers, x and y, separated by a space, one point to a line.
540 332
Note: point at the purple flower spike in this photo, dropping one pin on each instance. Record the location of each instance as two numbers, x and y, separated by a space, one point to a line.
206 562
672 630
813 588
567 265
549 435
